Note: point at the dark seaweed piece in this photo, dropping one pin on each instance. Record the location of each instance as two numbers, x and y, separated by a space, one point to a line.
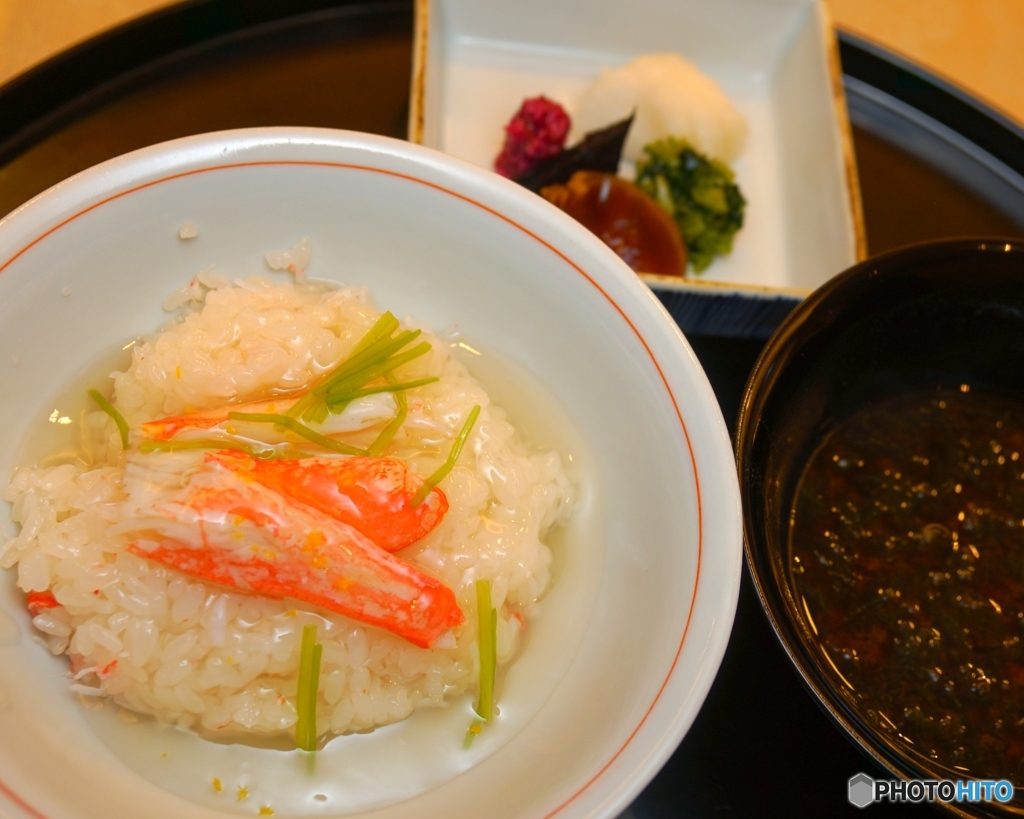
599 151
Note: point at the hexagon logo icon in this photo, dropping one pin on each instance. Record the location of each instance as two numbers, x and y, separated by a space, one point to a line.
862 790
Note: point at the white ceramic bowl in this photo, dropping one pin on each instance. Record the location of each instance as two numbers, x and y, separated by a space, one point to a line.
635 625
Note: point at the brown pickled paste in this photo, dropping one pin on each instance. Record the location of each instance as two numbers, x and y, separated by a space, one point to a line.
907 549
625 218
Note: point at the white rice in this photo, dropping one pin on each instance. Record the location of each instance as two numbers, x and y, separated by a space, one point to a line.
196 655
670 97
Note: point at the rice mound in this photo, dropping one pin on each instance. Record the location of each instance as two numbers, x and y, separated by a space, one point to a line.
670 97
197 655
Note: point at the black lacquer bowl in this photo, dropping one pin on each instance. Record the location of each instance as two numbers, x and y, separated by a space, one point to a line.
929 316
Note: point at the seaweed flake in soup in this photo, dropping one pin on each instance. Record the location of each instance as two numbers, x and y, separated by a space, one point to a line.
905 548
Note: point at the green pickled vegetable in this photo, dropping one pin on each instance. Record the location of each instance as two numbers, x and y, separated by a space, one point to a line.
377 355
207 443
446 467
348 397
292 425
699 193
487 617
108 408
309 681
388 433
487 622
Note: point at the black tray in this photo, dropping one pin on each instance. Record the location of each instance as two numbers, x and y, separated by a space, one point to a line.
932 161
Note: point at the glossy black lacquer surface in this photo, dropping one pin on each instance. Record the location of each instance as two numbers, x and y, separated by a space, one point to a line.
193 35
206 66
924 318
761 745
937 99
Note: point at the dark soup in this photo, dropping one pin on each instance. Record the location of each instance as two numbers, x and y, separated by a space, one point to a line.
907 549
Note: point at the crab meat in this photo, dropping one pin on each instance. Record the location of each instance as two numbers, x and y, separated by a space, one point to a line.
220 526
372 495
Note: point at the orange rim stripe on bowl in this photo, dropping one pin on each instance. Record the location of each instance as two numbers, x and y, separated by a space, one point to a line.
675 405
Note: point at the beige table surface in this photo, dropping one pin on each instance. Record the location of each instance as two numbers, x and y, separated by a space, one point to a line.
975 43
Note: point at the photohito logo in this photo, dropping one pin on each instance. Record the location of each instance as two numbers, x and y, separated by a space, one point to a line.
863 790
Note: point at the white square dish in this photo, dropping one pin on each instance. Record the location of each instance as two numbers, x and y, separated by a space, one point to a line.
476 60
